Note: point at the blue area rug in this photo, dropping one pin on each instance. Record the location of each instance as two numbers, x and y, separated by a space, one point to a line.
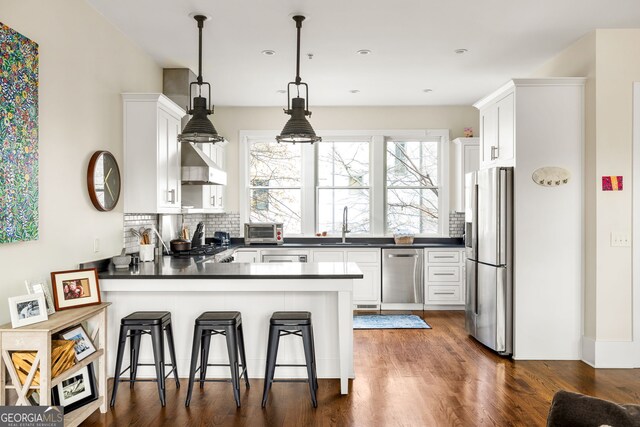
389 321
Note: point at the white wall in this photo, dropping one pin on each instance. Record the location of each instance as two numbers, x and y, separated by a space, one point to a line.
231 120
604 57
85 63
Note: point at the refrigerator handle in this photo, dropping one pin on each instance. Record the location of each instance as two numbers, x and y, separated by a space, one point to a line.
474 224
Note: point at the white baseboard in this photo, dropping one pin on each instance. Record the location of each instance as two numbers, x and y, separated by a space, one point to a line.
610 354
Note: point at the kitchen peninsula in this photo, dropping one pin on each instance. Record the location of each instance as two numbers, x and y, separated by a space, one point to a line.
187 287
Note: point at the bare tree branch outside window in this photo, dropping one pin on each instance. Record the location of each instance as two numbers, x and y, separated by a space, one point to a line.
275 179
343 180
412 187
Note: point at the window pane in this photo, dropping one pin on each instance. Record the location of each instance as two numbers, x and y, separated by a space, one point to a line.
412 210
277 205
412 163
275 165
331 204
343 164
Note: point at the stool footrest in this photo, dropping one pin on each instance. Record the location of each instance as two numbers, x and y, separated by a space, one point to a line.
290 381
288 364
144 380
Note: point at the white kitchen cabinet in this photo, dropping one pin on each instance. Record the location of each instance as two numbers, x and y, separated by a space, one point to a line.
543 120
151 179
366 292
466 158
497 130
246 255
444 278
206 198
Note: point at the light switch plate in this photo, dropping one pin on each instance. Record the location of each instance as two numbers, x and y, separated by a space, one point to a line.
620 239
96 245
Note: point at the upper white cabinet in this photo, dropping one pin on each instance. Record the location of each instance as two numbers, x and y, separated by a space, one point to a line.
206 198
151 153
466 158
497 129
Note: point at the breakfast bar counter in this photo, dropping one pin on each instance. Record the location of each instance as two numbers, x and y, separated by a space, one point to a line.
187 287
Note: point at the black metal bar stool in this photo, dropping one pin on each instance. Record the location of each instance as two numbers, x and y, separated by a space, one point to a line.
229 324
133 327
291 323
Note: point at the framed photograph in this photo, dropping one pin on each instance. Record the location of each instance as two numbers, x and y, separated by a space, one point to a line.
41 287
76 390
27 309
75 288
83 345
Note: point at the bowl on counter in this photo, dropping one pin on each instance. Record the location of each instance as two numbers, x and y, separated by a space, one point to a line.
121 261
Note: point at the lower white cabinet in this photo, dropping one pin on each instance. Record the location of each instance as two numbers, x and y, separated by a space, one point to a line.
444 277
366 292
243 255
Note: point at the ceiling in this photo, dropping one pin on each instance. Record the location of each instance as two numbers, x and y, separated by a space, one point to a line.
412 44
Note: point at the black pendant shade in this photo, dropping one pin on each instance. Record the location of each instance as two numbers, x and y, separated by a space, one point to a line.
200 128
298 128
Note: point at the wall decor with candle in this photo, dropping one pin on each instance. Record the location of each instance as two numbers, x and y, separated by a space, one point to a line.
18 137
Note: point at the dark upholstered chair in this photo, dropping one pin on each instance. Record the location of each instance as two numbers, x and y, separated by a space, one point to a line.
577 410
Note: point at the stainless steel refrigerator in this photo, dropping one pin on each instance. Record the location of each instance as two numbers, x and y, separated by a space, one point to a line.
489 257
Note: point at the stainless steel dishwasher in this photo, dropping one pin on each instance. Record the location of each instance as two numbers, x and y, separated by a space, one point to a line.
402 276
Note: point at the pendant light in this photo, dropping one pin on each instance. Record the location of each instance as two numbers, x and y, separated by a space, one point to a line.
298 128
200 128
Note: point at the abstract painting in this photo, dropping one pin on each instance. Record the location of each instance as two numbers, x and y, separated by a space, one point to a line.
18 137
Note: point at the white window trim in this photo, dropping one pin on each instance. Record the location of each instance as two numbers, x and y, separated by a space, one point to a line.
377 170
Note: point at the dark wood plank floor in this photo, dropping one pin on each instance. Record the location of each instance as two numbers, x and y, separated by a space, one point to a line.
437 377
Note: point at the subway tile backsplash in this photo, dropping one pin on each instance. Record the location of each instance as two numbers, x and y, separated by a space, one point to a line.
226 222
456 224
229 222
213 222
136 221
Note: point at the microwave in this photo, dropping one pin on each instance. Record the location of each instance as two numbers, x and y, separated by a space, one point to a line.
263 233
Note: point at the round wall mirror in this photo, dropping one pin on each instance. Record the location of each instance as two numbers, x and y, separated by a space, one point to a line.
103 181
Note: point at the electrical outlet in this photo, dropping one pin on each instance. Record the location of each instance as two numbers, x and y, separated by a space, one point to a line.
620 239
96 245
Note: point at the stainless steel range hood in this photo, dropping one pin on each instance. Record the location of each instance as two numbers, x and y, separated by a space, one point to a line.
197 167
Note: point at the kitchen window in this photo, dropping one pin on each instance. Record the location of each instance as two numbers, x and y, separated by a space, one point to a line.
343 180
275 184
389 180
412 187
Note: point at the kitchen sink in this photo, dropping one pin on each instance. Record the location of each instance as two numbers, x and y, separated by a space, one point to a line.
345 244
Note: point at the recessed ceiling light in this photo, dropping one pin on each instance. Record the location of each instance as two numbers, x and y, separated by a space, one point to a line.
363 52
354 91
281 91
461 51
427 90
268 52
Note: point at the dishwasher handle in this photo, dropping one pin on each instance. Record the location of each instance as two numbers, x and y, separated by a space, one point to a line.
402 256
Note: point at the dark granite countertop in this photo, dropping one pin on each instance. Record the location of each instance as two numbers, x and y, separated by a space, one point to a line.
359 242
203 267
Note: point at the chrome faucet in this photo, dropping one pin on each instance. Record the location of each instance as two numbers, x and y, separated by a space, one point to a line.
345 224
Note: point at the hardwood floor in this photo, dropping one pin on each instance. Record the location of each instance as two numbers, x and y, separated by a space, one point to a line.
437 377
